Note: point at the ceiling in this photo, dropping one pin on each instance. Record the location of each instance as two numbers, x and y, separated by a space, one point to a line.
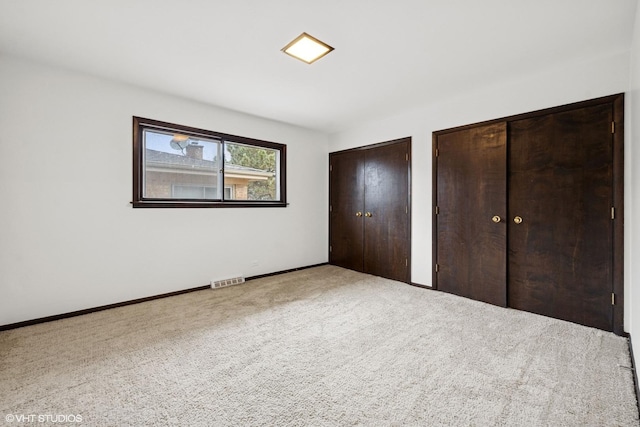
389 55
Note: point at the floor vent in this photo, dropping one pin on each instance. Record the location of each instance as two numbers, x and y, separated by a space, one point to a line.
226 282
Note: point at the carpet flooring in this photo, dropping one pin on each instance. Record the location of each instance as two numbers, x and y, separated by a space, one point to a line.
318 347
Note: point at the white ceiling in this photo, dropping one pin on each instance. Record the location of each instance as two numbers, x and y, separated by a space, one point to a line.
389 54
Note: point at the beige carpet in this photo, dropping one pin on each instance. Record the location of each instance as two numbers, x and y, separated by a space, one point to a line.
320 347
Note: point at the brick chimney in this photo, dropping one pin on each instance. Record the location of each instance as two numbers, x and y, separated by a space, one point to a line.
194 151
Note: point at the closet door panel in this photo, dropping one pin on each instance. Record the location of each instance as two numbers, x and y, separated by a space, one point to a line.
561 185
346 189
471 191
386 221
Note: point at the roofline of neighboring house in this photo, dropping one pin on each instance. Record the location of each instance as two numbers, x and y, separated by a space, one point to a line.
231 171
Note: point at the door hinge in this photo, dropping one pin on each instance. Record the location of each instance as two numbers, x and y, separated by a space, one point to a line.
437 210
613 127
613 299
330 248
437 268
613 213
406 262
406 209
406 157
330 168
437 152
330 208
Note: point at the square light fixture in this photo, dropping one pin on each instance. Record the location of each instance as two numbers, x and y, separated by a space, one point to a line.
307 48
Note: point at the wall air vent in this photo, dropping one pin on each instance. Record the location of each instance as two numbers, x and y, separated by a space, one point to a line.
215 284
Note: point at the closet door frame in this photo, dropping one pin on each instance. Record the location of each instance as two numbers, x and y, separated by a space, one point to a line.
363 149
617 102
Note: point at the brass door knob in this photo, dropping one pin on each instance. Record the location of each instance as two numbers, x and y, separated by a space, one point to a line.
517 220
358 214
496 219
368 214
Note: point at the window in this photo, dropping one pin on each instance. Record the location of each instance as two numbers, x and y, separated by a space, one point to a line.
179 166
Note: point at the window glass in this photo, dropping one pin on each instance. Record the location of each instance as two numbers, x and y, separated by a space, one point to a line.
180 166
252 171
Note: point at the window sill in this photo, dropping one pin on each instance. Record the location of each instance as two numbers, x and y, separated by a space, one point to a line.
200 204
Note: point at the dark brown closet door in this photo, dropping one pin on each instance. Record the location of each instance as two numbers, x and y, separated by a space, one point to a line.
471 221
561 186
346 189
386 220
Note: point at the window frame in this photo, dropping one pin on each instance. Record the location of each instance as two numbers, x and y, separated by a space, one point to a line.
139 201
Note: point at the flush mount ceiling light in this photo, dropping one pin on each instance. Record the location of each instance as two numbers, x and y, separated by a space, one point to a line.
307 48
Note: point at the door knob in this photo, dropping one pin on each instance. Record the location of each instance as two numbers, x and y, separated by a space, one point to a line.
358 214
368 214
517 220
496 219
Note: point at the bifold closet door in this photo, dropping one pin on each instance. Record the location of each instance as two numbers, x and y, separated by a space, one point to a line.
346 227
369 212
471 201
561 196
386 211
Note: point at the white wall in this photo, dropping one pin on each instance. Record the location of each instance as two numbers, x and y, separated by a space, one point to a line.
70 240
632 190
572 82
